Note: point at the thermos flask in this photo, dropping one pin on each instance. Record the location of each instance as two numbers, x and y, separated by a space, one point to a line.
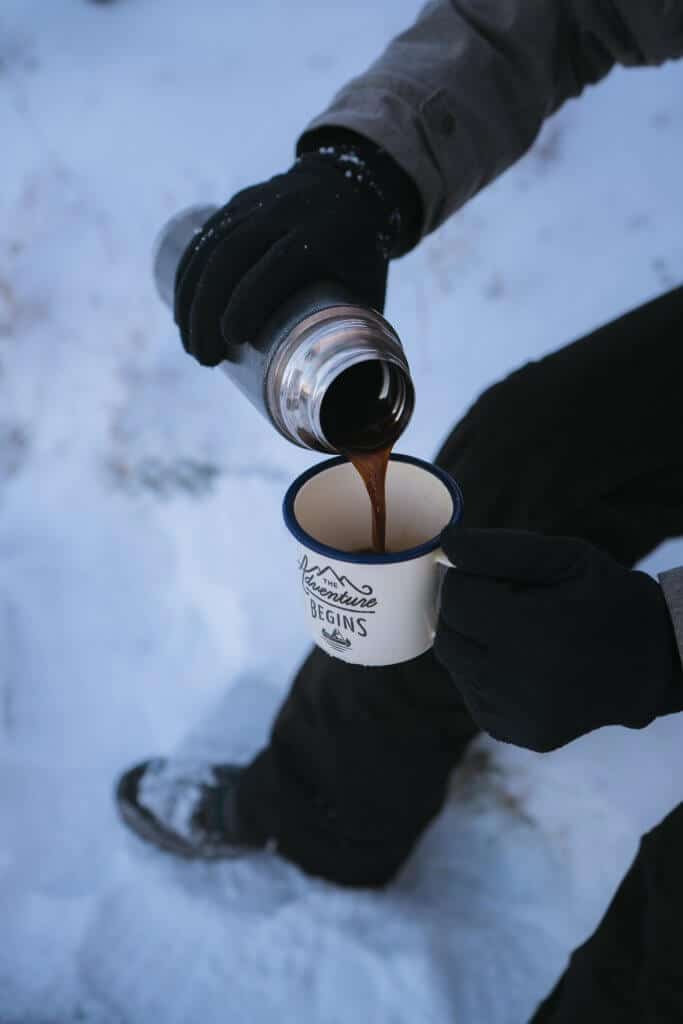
327 371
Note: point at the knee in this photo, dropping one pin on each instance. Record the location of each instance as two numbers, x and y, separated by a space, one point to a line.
505 452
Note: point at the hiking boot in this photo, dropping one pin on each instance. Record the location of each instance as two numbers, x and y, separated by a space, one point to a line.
186 807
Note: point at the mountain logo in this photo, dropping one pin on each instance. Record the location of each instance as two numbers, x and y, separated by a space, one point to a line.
337 640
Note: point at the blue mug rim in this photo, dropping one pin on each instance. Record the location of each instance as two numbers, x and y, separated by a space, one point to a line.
355 559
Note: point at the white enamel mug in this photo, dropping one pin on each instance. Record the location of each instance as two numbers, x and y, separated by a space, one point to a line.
372 609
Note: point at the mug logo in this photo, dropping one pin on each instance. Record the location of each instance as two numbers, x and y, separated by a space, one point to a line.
337 640
338 602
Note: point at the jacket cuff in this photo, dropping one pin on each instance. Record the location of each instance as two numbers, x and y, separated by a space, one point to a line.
672 586
412 132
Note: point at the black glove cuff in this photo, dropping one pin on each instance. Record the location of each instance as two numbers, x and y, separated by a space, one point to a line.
375 169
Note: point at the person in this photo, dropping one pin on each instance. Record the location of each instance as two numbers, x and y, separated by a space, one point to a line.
572 469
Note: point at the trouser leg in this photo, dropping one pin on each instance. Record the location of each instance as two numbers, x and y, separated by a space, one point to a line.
630 971
585 442
357 765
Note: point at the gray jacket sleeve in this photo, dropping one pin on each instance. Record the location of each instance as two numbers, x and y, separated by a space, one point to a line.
672 585
462 94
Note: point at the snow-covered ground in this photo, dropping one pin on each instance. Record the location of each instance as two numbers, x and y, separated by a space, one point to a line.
140 529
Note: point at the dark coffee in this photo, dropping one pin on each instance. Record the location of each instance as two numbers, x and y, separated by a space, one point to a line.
372 467
359 411
358 417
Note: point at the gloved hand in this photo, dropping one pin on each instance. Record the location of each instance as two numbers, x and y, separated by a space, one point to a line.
548 638
339 214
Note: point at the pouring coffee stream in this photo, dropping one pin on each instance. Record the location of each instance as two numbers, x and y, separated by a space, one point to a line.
372 467
329 373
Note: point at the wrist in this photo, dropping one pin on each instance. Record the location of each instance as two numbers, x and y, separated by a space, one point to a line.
389 186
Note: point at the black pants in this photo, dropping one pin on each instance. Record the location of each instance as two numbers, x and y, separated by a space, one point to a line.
586 442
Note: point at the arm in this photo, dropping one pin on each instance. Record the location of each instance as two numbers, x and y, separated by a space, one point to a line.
462 94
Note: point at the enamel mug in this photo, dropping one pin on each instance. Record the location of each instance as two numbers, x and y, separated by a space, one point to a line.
370 609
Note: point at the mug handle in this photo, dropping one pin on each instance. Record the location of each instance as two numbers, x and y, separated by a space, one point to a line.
440 558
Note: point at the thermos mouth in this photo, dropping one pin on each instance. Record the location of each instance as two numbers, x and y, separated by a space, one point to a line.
366 406
341 382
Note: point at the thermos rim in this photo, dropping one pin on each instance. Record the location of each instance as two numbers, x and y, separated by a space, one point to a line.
363 335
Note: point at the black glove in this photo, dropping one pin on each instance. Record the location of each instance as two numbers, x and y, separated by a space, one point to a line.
339 214
548 638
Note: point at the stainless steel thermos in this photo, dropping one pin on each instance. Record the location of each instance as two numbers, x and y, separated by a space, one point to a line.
330 374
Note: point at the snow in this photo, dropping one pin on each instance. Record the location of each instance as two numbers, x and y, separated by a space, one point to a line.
147 605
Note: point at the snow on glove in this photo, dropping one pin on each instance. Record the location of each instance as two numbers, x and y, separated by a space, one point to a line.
339 214
548 638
